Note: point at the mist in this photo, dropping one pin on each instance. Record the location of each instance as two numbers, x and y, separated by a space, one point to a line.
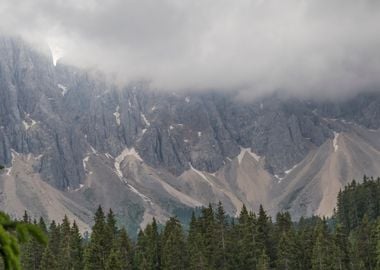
308 48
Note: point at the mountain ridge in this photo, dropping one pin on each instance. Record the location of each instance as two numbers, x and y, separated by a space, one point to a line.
146 153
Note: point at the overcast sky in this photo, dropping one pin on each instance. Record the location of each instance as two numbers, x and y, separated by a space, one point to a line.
304 47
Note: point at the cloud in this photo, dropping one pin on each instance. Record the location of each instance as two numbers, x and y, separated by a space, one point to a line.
323 48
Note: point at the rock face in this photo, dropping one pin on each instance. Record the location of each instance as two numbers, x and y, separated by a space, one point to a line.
147 153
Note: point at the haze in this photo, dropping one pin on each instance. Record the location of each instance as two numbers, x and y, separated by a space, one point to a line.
312 48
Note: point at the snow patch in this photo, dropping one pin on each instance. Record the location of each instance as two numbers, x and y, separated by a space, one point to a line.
126 152
84 162
143 131
185 140
171 127
79 188
153 108
187 99
93 150
199 133
117 115
335 141
261 106
145 120
108 155
279 178
13 154
63 89
145 198
243 151
118 160
27 125
56 53
201 174
290 170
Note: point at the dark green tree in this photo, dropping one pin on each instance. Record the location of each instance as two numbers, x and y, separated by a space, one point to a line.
76 248
221 229
96 253
196 250
174 253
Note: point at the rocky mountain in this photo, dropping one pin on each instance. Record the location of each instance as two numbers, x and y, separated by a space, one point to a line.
72 140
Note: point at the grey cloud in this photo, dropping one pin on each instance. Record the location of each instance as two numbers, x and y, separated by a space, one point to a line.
323 48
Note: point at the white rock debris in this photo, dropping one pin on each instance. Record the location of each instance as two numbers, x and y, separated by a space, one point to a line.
29 125
145 198
335 141
126 152
85 161
117 115
290 170
79 188
63 89
93 150
118 160
145 120
201 174
279 178
243 151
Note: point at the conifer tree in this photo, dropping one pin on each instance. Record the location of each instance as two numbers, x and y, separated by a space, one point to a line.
64 258
196 251
125 249
263 262
32 250
341 246
207 226
263 230
246 240
153 248
377 244
286 252
114 260
112 229
173 246
76 248
50 257
321 258
140 261
48 261
96 253
286 246
366 243
54 239
221 228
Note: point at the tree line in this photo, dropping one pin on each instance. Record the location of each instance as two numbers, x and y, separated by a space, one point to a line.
350 239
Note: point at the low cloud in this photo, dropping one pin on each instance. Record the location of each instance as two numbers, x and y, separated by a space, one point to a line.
317 48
